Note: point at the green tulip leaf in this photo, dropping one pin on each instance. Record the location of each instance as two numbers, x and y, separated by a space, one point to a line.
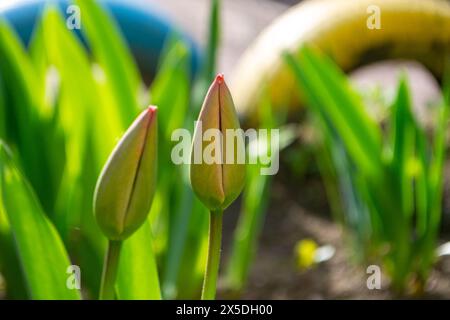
43 258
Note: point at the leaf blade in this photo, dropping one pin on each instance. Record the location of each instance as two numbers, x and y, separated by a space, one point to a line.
38 243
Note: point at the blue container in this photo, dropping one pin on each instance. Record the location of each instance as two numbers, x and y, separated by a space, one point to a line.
143 27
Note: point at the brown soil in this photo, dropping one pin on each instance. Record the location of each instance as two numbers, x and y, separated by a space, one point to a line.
299 210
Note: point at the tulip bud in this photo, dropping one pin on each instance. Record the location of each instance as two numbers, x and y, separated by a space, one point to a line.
125 188
217 185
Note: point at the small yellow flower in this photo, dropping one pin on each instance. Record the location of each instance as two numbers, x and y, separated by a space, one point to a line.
305 252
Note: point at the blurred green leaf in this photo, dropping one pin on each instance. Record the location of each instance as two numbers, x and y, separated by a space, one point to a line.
138 274
38 57
404 169
208 69
398 184
404 142
41 252
17 66
170 91
328 91
111 52
429 224
193 262
86 147
28 117
2 110
213 41
9 260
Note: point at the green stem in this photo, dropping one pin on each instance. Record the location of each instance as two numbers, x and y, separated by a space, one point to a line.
212 264
110 267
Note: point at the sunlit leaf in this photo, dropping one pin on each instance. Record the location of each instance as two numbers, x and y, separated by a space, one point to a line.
111 52
138 274
42 255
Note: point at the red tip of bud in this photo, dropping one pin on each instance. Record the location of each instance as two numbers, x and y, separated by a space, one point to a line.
220 78
152 109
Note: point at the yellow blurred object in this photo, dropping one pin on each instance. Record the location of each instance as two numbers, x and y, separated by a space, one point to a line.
305 252
409 29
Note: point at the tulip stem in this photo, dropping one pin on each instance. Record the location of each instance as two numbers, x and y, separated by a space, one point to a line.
213 259
110 267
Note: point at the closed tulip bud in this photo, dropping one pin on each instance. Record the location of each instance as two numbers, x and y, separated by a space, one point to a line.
218 183
125 188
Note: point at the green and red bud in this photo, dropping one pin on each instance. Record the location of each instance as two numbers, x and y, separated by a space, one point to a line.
126 185
216 184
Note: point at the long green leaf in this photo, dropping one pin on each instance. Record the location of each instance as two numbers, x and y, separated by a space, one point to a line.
2 110
43 257
404 137
170 91
26 114
9 261
213 41
111 52
86 147
138 273
339 104
208 69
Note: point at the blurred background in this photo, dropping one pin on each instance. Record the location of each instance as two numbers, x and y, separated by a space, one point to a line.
295 247
298 204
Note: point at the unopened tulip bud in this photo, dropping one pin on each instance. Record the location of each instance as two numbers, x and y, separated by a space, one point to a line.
125 188
219 183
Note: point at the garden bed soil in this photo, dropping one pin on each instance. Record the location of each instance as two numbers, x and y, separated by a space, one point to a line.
298 210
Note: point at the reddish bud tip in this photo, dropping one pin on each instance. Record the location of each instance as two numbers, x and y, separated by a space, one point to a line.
219 78
152 109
